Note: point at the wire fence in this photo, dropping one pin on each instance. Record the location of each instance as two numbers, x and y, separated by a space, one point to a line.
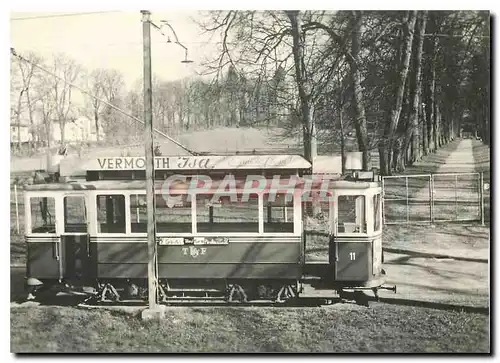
430 198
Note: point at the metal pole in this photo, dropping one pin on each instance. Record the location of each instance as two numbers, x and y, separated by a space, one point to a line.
383 201
148 136
407 203
481 196
431 196
456 197
17 208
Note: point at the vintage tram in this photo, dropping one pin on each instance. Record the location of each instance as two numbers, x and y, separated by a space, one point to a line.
218 238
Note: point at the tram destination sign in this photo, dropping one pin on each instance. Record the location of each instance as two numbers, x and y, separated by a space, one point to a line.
212 162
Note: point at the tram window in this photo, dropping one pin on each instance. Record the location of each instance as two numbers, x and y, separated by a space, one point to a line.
111 214
278 214
173 215
170 218
75 214
226 215
138 213
43 215
377 215
351 214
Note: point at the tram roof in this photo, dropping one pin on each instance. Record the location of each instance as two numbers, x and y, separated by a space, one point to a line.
71 166
181 188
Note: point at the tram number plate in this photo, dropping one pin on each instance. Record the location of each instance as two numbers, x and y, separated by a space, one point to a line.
168 241
210 241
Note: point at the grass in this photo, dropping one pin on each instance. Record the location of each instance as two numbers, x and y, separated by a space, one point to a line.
459 240
342 328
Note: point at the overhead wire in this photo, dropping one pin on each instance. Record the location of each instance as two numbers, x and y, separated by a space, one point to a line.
14 53
131 43
64 15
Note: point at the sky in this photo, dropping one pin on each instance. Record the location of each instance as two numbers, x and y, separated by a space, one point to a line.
114 40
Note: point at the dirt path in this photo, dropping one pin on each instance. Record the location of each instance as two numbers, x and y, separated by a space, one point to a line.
460 160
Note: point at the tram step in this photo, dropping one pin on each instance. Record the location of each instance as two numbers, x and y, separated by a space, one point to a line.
193 298
310 291
191 290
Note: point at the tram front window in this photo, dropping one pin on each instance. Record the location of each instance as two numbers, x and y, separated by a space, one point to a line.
75 214
43 213
377 212
351 214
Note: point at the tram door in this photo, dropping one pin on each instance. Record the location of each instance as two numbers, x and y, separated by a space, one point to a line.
350 249
75 239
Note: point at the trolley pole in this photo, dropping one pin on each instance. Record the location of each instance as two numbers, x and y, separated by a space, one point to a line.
148 136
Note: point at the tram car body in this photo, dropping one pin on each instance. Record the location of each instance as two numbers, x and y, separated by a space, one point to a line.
92 231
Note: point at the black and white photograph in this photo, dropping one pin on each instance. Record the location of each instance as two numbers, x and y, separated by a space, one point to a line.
250 181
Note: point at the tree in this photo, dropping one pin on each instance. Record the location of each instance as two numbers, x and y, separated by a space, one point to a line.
259 43
303 83
28 72
413 134
61 91
45 106
104 84
387 146
17 90
354 62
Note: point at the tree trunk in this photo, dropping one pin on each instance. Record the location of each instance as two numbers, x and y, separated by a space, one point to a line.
404 132
242 110
417 81
62 125
303 86
435 129
30 115
431 79
425 144
387 143
49 132
408 130
359 106
314 135
188 122
96 121
306 141
431 110
18 119
342 140
402 150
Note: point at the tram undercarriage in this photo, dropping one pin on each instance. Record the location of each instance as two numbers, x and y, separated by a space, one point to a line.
219 291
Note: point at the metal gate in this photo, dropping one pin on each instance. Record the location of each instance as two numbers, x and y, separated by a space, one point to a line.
429 198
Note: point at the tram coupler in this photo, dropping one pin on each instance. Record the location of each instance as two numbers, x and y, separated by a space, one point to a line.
388 287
